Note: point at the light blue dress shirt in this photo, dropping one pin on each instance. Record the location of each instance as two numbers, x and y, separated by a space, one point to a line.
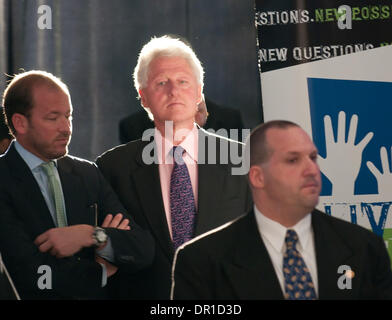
34 163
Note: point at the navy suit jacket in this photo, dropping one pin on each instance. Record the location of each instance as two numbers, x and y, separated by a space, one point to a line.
24 215
233 263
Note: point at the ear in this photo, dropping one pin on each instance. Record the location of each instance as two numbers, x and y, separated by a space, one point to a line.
143 98
199 95
256 177
20 122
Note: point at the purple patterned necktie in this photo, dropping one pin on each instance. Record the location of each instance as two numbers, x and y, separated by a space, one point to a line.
182 201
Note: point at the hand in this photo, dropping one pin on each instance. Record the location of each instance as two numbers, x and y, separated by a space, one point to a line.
384 180
343 160
66 241
116 222
111 269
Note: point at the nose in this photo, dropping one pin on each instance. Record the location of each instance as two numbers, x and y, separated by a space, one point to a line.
311 167
65 126
172 88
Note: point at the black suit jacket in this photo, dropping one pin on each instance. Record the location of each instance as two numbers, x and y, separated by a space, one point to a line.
233 263
221 197
132 127
24 215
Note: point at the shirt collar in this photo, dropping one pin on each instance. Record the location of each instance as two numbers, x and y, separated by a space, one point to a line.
31 160
189 144
275 233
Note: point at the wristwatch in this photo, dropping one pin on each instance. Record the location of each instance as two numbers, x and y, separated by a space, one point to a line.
99 236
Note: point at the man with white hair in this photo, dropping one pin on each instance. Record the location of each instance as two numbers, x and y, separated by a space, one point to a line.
185 187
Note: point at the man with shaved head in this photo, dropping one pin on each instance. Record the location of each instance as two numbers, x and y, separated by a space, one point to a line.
284 248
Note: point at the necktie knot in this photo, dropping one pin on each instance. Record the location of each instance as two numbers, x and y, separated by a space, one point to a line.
48 168
291 239
178 152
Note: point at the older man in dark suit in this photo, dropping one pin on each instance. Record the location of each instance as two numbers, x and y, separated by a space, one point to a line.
183 182
284 248
63 232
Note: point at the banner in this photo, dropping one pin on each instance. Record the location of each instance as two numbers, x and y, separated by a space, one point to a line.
327 65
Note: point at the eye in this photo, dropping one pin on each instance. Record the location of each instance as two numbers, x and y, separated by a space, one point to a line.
292 160
161 83
313 157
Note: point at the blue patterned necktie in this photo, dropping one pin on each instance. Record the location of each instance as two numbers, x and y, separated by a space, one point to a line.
298 282
57 194
182 202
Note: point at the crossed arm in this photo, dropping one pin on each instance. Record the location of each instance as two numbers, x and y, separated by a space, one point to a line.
66 241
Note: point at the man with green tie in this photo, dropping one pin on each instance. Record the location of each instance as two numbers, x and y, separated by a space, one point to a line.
57 212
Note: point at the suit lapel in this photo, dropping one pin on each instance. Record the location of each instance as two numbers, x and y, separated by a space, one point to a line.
74 192
211 177
331 252
210 180
251 272
148 188
29 190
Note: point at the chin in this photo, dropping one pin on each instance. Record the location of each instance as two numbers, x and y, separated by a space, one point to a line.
59 154
312 204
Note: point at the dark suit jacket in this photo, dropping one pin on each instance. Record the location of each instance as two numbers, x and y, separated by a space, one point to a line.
7 291
221 197
24 215
233 263
132 127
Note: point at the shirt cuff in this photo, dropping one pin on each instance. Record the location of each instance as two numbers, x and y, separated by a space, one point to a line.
106 252
104 275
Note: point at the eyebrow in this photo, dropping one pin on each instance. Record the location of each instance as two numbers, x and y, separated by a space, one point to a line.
57 113
178 74
299 152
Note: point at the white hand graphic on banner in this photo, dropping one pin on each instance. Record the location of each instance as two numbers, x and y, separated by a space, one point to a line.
384 180
343 159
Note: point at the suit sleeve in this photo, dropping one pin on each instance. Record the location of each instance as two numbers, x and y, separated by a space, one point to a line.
35 273
133 249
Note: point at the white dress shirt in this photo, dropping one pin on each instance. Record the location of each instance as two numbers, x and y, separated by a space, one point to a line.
273 235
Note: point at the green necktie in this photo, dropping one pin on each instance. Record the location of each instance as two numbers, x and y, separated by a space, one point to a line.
56 193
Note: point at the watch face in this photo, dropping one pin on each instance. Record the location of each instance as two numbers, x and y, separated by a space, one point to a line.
101 236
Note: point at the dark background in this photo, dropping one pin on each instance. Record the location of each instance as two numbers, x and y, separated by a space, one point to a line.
93 47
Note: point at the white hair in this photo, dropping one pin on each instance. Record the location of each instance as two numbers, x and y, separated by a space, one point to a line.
165 47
